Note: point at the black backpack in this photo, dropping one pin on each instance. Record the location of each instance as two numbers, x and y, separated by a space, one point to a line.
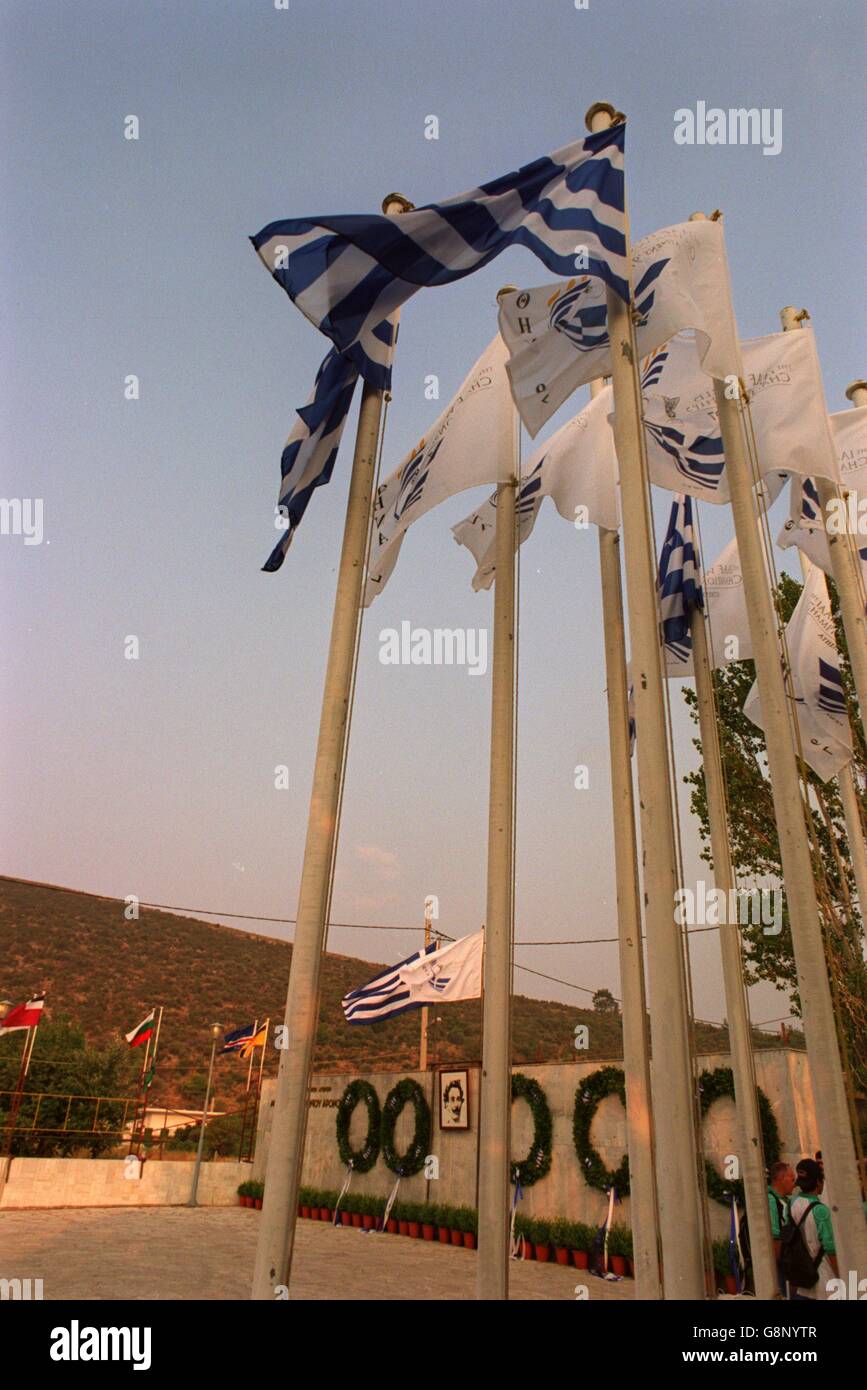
797 1265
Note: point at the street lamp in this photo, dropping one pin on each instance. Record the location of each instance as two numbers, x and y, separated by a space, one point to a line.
216 1030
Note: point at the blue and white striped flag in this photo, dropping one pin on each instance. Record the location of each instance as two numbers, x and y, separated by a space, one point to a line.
431 975
348 273
679 580
804 528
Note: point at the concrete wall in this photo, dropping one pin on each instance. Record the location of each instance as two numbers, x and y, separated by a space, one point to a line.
782 1075
100 1182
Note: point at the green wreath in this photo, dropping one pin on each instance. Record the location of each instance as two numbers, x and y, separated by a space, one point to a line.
608 1081
538 1161
713 1085
406 1092
359 1160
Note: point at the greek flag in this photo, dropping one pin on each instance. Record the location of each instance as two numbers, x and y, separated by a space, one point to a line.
431 975
349 272
679 580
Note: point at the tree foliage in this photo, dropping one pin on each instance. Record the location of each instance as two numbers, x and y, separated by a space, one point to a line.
756 850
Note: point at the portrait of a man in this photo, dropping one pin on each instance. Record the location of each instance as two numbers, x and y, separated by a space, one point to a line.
454 1100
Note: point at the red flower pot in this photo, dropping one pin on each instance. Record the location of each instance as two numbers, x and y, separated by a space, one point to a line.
414 1229
469 1240
457 1237
543 1253
618 1264
427 1231
561 1254
580 1259
391 1226
346 1218
403 1227
356 1220
257 1203
443 1235
314 1213
368 1221
630 1266
528 1249
305 1212
324 1213
731 1283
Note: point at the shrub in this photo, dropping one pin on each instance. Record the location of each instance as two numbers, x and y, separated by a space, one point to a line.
560 1232
540 1232
581 1236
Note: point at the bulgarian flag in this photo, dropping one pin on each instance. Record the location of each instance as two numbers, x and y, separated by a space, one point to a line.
143 1031
27 1015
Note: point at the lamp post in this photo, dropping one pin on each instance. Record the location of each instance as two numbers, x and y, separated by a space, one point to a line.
216 1030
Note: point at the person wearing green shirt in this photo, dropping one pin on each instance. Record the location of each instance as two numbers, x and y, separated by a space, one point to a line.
781 1180
817 1229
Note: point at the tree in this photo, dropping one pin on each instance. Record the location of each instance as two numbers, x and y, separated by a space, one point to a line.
605 1003
67 1078
756 850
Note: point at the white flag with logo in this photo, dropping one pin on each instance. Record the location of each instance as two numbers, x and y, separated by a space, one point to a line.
576 468
472 442
849 433
453 972
786 413
557 335
725 605
804 528
820 701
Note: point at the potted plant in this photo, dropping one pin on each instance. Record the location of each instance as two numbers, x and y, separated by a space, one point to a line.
722 1267
304 1202
314 1194
541 1237
367 1205
628 1251
428 1221
355 1210
560 1233
392 1225
242 1193
257 1194
469 1227
456 1230
327 1200
617 1250
581 1241
413 1219
440 1218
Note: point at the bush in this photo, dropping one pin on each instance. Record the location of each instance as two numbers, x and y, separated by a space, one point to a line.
540 1232
581 1236
619 1240
560 1233
443 1216
244 1189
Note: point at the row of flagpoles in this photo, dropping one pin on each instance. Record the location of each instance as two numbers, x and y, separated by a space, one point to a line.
350 275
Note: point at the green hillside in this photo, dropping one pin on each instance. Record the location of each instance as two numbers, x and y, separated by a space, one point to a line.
105 973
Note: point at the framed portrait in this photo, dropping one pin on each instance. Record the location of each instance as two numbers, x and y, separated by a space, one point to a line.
454 1091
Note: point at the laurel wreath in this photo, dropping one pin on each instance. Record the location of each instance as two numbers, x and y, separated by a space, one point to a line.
607 1081
538 1160
712 1086
406 1092
359 1160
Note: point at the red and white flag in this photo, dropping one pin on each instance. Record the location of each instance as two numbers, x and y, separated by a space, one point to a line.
27 1015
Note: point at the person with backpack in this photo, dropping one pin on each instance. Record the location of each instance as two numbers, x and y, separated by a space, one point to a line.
781 1181
808 1257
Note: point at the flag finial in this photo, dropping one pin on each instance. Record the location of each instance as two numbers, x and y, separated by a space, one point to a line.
507 289
395 202
853 389
600 108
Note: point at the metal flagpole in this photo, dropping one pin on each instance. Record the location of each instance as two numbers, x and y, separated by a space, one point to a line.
847 581
673 1089
286 1150
843 562
829 1091
216 1029
422 1042
495 1092
751 1152
636 1059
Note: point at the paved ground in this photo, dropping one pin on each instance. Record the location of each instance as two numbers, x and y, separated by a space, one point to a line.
176 1253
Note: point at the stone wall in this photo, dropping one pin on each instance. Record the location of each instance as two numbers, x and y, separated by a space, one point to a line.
782 1075
100 1182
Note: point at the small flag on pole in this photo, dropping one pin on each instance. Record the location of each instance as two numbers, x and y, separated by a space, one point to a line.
244 1040
143 1031
26 1015
429 976
679 579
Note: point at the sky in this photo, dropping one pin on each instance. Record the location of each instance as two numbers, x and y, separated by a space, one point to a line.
155 776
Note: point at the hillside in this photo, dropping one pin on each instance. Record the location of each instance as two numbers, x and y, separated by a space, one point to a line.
105 973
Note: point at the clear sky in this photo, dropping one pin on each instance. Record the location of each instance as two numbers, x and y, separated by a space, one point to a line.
156 776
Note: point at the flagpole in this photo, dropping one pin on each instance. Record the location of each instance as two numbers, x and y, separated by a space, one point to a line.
817 1012
673 1087
495 1092
286 1150
751 1149
636 1060
422 1043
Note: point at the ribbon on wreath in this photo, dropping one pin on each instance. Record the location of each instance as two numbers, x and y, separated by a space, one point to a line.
516 1246
390 1203
343 1191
